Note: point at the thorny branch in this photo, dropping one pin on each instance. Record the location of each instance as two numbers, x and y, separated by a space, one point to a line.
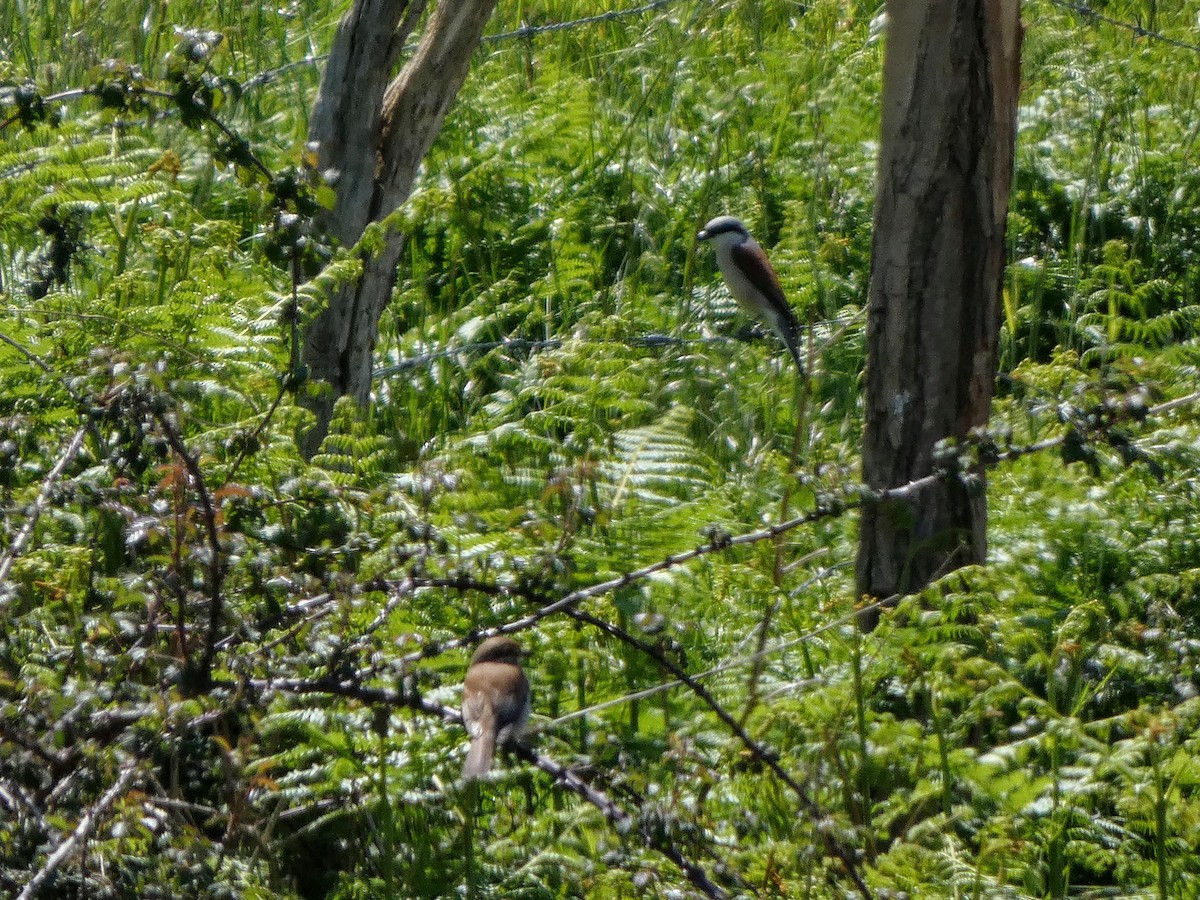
983 454
40 504
125 780
765 755
215 568
566 779
827 507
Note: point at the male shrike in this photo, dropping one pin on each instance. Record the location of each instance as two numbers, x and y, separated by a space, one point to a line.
495 701
751 280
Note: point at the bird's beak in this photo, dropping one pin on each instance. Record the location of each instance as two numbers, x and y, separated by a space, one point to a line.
703 235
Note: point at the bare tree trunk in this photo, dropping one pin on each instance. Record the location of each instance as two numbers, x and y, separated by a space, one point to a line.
951 77
374 133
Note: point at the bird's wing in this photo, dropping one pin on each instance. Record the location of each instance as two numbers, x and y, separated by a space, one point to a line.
512 703
753 262
477 713
750 258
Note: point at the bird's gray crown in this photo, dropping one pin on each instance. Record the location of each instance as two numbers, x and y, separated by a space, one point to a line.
721 225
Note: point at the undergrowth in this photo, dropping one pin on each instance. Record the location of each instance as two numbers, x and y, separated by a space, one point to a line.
260 652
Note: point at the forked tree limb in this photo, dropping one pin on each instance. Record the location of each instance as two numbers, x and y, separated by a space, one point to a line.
374 131
345 123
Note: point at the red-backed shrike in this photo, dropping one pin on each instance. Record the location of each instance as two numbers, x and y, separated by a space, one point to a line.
751 280
495 701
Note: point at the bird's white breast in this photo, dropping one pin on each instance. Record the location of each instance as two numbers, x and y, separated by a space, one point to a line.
742 289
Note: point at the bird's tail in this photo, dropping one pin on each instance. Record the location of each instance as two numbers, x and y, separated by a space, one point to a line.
789 331
479 757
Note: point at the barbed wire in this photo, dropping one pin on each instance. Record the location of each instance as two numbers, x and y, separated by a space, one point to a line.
528 31
1132 27
257 81
525 31
531 31
530 345
832 505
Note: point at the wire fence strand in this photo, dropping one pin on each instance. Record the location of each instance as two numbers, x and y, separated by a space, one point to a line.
525 31
529 31
1132 27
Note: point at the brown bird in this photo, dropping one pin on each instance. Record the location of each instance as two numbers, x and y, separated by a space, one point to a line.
495 701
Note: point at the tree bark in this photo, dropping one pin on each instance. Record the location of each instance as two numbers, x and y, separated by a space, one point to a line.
951 79
374 133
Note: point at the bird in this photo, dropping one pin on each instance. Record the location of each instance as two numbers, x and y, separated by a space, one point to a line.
751 279
496 701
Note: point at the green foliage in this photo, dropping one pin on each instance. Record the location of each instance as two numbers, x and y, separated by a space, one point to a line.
565 396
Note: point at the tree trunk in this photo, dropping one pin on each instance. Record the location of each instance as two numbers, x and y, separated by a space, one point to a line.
951 78
374 134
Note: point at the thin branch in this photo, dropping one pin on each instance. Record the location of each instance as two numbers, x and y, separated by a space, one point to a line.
565 778
767 756
141 91
398 592
306 613
46 316
763 754
215 601
62 382
250 441
755 658
622 821
125 780
40 504
18 801
57 763
506 591
211 117
1169 405
39 362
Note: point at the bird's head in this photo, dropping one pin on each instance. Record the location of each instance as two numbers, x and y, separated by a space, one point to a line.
723 230
499 649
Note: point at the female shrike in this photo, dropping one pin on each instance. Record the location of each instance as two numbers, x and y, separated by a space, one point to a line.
751 280
495 703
